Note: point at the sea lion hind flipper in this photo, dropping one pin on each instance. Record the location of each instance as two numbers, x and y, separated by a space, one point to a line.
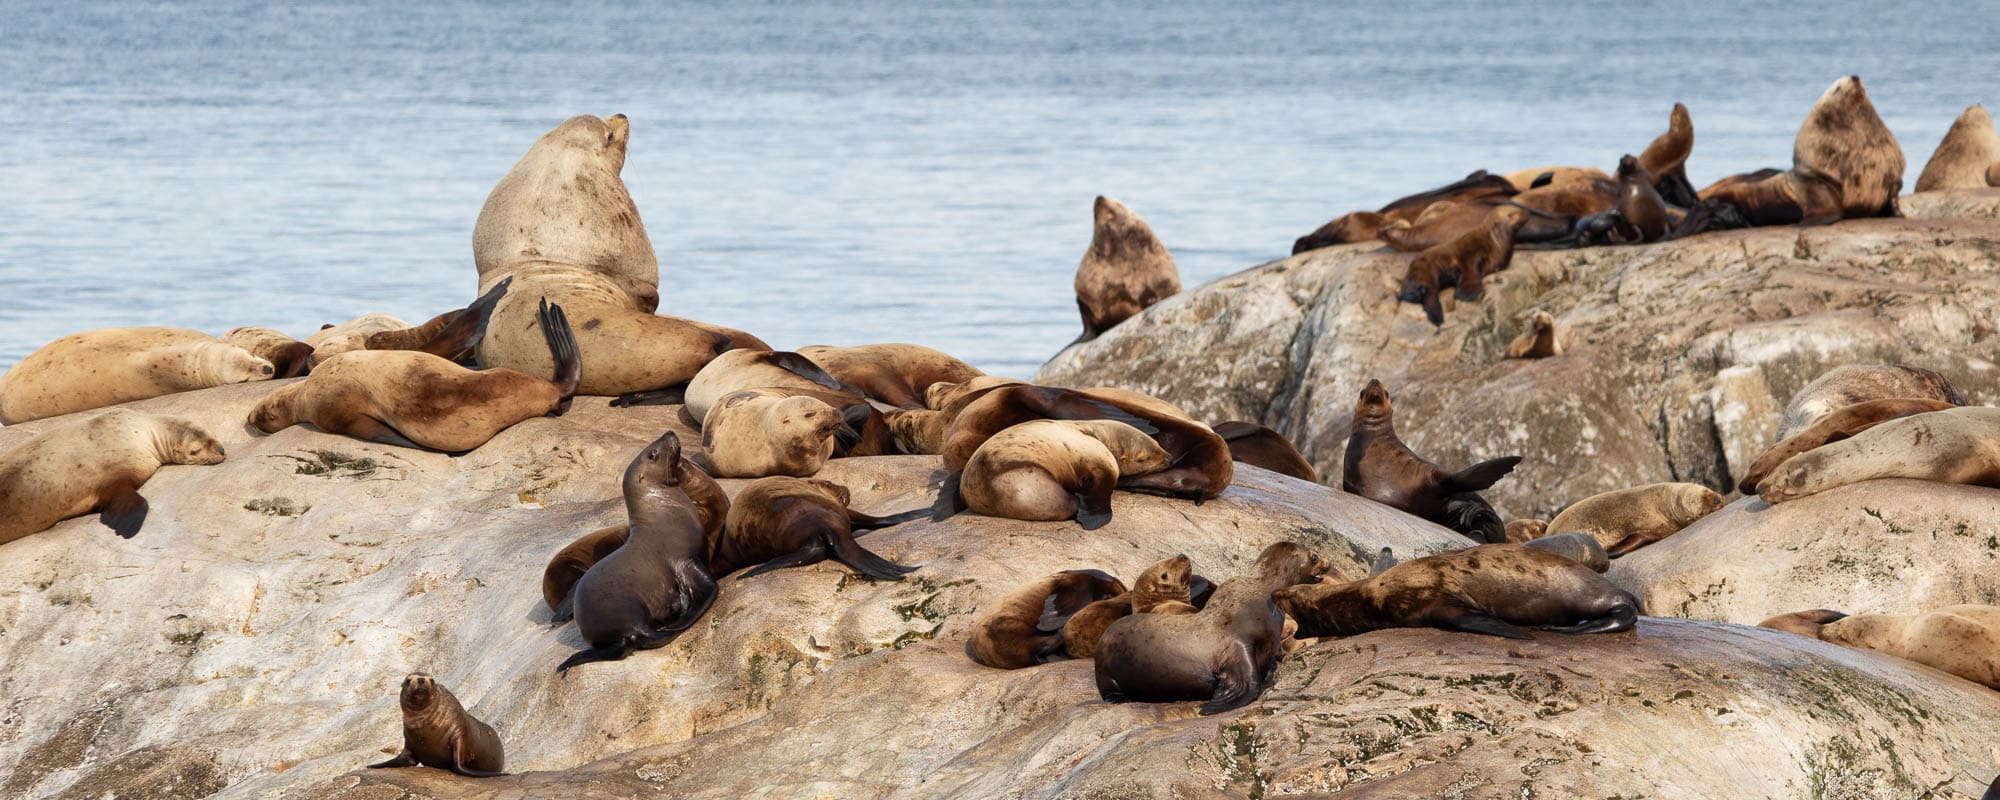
563 348
1460 618
458 766
861 559
949 501
1481 476
1235 681
1058 403
812 553
864 523
671 395
402 759
615 651
1628 544
123 511
1621 617
853 419
466 328
1471 516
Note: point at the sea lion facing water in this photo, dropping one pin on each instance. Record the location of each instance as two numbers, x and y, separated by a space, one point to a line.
1859 383
1489 589
1049 470
94 464
1845 165
898 374
1963 159
781 522
1380 467
1963 640
563 202
1164 588
1956 445
109 366
1025 627
440 733
1538 340
1254 444
567 566
1125 271
1834 427
1628 519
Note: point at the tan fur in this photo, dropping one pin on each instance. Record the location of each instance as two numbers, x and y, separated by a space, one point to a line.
738 371
1578 547
1514 583
753 434
1575 199
286 354
351 335
898 374
109 366
1668 152
564 204
433 402
1523 180
1440 223
1834 427
1125 271
1524 530
625 348
1956 445
439 733
1627 519
71 469
1032 470
1803 623
1970 150
1962 640
1538 340
922 430
1843 138
1006 637
1161 589
1860 383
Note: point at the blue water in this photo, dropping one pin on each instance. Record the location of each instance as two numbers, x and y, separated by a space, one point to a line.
874 172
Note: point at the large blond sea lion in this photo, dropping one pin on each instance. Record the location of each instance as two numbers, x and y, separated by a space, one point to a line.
564 203
1969 150
1491 589
1125 271
1834 427
1844 386
109 366
1963 640
1200 466
1956 445
1845 165
1628 519
94 464
1048 470
440 733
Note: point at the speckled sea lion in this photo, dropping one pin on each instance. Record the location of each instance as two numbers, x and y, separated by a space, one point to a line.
1581 548
440 733
755 434
1162 589
1961 161
94 464
922 430
781 522
1254 444
1833 427
1361 226
743 370
1025 627
414 399
1803 623
1523 530
1489 589
898 374
1956 445
563 202
1963 640
289 357
1859 383
1666 158
1628 519
1462 263
1845 164
1538 340
109 366
577 557
1125 271
1048 470
1380 467
1223 655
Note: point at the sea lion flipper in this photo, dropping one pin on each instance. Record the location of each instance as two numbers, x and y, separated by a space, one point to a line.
565 610
949 502
861 559
808 369
370 429
1621 617
123 511
864 523
609 652
1199 590
1459 618
1057 403
1235 681
402 759
1543 179
853 419
813 553
563 349
1481 476
1383 561
671 395
458 766
466 328
1628 544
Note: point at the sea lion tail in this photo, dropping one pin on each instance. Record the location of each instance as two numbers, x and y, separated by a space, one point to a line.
562 346
949 501
1482 476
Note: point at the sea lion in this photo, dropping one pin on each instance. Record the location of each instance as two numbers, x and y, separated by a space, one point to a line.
743 370
1223 655
1440 224
1963 640
1993 175
289 357
1125 271
1762 198
1529 179
1962 160
1858 383
1538 340
1162 589
1256 445
577 557
1048 470
1843 138
410 398
94 464
564 202
1665 158
1462 263
109 366
1353 226
755 433
1491 589
1628 519
781 522
1578 547
332 340
657 585
898 374
1361 226
922 430
1956 445
1834 427
1200 465
1524 530
1639 203
1025 628
1380 467
439 733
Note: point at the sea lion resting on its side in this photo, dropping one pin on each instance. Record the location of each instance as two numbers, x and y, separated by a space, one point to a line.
110 366
1837 426
1488 589
1025 627
781 522
94 464
1956 445
1164 588
1963 640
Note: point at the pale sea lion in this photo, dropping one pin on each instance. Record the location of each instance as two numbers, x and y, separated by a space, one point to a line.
922 430
94 464
898 374
1538 340
1858 383
1025 627
1962 160
632 350
1490 589
754 434
1125 271
1048 470
567 566
1200 467
1164 588
109 366
781 522
1223 655
1380 467
1833 427
1963 640
1845 165
743 370
1527 179
440 733
1581 548
1956 445
1254 444
1462 263
289 357
1523 530
564 202
1628 519
346 337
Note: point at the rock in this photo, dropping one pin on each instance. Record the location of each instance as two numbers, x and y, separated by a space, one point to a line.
1875 547
1680 356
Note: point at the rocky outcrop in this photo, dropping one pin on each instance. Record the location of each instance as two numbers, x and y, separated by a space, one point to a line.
1678 357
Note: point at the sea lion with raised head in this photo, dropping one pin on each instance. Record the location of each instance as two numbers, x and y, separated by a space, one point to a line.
109 366
759 433
567 566
1380 467
1578 547
1665 158
1223 655
1494 589
1125 271
1836 426
289 357
1956 445
439 733
1199 465
1538 340
1845 386
1025 627
781 522
1962 160
94 464
1628 519
1462 263
898 374
1256 445
1049 470
1164 588
1845 165
1963 640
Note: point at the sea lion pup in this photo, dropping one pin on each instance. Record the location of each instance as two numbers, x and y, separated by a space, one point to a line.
1494 589
1162 589
1577 547
1665 158
94 464
1521 531
758 433
922 430
1199 463
577 557
657 585
289 357
1223 655
1462 263
1628 519
109 366
564 202
1835 427
1125 271
1361 226
1963 640
784 522
1538 340
414 399
1049 470
1380 467
1026 627
332 340
898 374
1639 203
1963 159
1956 445
1844 386
1259 446
439 733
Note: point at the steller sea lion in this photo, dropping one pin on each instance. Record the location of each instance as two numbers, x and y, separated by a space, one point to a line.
1524 180
1256 445
1956 445
1223 655
564 202
410 398
743 370
1523 530
1578 547
289 357
1834 427
332 340
898 374
1049 470
1440 223
1858 383
1962 160
657 585
1380 467
452 335
1125 271
1628 519
1462 263
109 366
1993 175
1164 588
1963 640
1489 589
1665 158
1025 628
922 430
1538 340
759 433
94 464
577 557
781 522
1199 468
1845 165
1361 226
439 733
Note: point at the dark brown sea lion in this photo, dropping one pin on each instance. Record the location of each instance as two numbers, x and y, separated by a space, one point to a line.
922 430
440 733
1361 226
1125 271
96 464
1625 520
1199 468
1490 589
1440 224
1353 226
1025 628
1223 655
657 585
576 558
1666 159
1462 263
1538 340
781 522
1162 589
289 357
1834 427
1380 467
1639 203
1259 446
1844 386
897 374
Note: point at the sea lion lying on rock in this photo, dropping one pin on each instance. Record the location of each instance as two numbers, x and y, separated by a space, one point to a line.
94 464
1491 589
1164 588
1628 519
1956 445
1025 627
1963 640
110 366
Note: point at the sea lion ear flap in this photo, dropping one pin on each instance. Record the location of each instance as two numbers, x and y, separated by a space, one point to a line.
1483 475
1543 179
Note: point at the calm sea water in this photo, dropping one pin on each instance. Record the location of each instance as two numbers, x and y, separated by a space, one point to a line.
845 174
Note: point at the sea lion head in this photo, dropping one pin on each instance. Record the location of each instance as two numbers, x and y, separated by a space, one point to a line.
1542 323
1629 171
419 692
599 138
1697 501
807 422
937 393
1420 286
1290 564
181 442
1120 233
833 490
1373 408
219 363
275 413
657 465
1168 579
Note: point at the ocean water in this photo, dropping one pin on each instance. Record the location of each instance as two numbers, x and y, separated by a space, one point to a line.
851 173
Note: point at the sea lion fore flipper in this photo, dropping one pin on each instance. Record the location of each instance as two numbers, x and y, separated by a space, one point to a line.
465 330
864 523
805 368
1543 179
812 553
1235 680
861 559
1482 476
123 511
1622 617
852 420
1628 544
671 395
949 501
402 759
370 429
1459 618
